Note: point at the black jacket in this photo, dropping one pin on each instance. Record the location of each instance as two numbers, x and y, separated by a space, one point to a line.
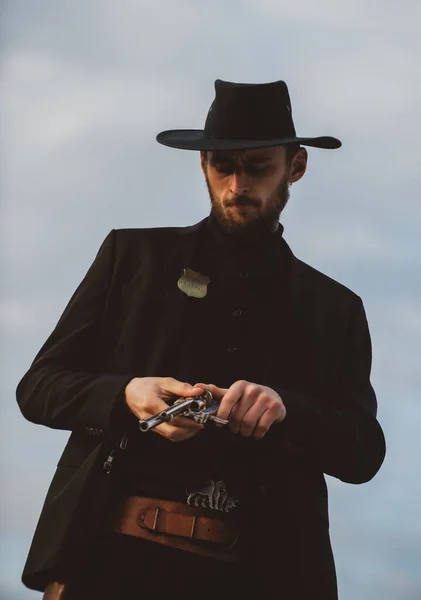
117 326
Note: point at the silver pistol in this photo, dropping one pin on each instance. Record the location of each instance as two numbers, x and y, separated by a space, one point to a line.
201 409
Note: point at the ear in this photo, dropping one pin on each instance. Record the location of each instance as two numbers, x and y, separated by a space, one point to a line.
298 166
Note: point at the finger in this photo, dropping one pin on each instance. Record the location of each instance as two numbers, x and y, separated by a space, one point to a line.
263 425
217 392
175 434
181 423
154 407
230 399
250 419
180 388
186 423
243 406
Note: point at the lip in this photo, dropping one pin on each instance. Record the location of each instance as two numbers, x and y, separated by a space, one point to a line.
241 205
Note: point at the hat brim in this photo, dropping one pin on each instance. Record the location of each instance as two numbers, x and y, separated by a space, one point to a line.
194 139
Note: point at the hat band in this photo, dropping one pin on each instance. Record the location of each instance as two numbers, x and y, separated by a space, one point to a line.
255 135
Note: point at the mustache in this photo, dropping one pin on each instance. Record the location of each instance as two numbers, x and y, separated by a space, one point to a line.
242 201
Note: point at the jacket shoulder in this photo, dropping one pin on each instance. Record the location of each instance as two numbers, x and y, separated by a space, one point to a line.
325 285
138 234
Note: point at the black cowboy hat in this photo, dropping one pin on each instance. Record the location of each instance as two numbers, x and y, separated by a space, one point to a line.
245 115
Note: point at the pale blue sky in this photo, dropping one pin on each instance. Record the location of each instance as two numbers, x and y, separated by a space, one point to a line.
86 86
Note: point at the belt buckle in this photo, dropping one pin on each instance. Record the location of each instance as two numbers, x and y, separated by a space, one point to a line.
140 519
156 518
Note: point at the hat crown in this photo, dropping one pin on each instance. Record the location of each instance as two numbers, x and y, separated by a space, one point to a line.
250 111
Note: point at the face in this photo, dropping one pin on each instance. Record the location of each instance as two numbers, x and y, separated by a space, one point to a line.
250 188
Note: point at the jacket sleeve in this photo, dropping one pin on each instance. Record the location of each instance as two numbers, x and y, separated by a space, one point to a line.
341 436
64 387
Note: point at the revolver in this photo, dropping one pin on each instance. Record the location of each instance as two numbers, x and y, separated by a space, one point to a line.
201 409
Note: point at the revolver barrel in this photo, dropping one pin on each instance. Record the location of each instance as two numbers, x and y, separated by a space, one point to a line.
194 404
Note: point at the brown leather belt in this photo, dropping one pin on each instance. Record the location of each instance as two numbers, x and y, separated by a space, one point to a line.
177 525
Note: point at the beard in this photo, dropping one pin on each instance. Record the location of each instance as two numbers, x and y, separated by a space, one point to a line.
258 224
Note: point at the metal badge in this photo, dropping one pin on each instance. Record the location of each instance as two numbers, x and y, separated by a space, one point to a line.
193 284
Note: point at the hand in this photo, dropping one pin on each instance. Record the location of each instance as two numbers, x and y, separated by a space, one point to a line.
251 408
147 396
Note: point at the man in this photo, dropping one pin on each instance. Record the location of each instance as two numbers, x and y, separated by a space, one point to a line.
224 306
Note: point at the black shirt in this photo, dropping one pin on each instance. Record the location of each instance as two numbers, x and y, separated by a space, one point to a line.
225 336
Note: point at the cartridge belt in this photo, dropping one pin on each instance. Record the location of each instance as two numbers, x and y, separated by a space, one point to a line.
178 525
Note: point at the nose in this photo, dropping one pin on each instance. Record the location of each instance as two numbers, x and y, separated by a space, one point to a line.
239 183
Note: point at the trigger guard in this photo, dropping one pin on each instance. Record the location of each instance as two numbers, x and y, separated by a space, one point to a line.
219 421
203 418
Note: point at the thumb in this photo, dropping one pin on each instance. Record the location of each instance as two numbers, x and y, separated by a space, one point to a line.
180 388
217 392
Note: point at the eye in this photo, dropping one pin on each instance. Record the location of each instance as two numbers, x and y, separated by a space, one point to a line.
252 170
225 169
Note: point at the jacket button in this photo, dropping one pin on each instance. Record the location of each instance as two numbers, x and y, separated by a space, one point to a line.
244 275
238 312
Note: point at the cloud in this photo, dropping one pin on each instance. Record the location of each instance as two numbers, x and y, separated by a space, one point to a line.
86 86
358 16
67 105
345 243
370 93
325 12
17 317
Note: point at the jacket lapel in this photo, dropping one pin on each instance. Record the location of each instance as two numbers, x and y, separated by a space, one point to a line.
173 302
292 347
